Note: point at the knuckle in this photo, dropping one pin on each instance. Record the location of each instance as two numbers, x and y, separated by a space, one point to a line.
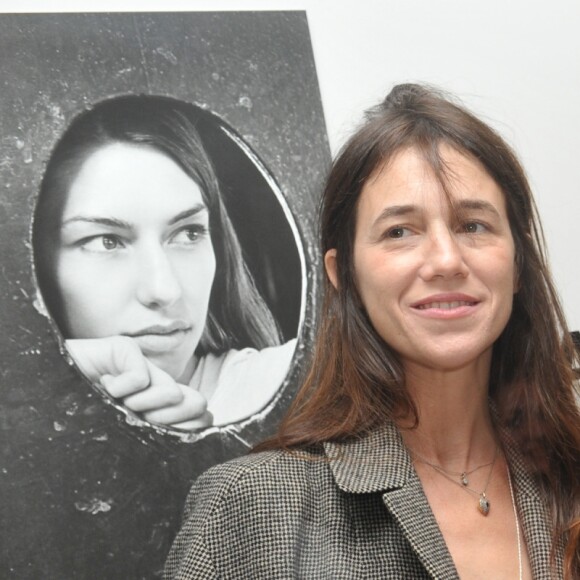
123 346
197 401
175 395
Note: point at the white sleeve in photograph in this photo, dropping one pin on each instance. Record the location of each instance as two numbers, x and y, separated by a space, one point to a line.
239 383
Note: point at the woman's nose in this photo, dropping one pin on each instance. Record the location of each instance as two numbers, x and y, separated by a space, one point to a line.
157 283
444 257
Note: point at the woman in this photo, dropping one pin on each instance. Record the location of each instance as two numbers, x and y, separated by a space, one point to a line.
436 434
140 266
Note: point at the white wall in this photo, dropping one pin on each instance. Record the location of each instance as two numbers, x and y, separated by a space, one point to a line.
515 63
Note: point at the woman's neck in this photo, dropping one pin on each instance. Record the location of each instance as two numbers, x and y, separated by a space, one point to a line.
187 374
455 428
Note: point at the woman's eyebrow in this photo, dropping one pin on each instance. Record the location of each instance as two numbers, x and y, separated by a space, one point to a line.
122 224
395 211
103 221
475 204
458 205
188 213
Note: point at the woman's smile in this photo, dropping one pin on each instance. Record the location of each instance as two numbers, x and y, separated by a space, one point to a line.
446 306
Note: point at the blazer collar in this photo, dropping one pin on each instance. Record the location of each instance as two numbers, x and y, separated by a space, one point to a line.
376 462
380 463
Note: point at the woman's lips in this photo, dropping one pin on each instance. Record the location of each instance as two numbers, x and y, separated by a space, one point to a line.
446 306
159 339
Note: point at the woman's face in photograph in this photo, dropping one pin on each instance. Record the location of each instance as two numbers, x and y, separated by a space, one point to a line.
437 282
135 256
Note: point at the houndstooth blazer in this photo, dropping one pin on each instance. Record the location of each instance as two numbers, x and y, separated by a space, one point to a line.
347 511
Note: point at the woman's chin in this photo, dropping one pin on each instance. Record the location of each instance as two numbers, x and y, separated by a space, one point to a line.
179 370
447 360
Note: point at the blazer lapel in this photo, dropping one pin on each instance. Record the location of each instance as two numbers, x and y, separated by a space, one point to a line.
411 509
533 513
380 463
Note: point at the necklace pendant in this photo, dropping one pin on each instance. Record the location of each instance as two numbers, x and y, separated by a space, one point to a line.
483 506
464 480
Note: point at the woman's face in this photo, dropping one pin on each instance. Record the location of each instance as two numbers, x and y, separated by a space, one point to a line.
437 283
135 256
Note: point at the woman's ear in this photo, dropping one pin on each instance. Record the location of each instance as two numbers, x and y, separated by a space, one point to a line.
331 267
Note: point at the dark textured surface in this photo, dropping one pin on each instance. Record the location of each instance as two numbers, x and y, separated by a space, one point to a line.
84 494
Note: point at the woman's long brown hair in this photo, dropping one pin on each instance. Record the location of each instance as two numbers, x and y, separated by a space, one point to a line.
356 381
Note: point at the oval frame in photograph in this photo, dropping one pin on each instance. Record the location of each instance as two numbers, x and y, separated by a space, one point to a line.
271 249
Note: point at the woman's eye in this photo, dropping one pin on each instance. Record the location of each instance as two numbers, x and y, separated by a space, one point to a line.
103 243
397 232
110 243
190 234
473 228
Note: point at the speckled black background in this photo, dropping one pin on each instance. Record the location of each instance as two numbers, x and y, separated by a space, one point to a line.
84 494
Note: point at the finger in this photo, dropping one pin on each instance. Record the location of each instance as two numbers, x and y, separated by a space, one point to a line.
114 355
154 397
127 357
192 406
206 420
124 385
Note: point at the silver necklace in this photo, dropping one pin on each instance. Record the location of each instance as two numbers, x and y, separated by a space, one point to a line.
483 502
517 525
462 475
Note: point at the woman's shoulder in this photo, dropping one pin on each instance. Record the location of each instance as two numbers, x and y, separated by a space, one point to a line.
236 510
256 477
266 465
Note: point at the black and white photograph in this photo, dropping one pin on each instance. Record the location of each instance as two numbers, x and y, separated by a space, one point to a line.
132 239
160 176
